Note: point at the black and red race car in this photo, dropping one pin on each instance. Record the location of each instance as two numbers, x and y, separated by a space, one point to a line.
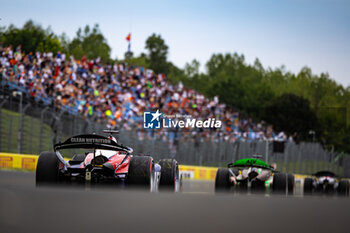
105 161
326 182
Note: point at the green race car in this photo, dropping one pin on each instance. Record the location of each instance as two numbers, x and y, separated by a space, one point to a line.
254 175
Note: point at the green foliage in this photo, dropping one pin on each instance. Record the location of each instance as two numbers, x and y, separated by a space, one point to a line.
32 37
291 102
157 53
138 61
292 114
90 43
175 75
192 69
237 84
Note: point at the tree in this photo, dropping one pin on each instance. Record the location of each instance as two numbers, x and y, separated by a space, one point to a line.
32 37
128 55
157 53
292 114
90 43
64 42
140 61
192 69
175 74
237 84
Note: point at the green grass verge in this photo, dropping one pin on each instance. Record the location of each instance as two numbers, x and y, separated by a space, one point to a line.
10 125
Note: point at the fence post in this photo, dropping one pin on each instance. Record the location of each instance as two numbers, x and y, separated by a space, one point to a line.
31 135
236 154
266 151
42 128
298 162
1 104
9 141
286 157
59 126
20 131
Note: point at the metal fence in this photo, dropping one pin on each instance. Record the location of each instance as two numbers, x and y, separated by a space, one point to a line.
29 127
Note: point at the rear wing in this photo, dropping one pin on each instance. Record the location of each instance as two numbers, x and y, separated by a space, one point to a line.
91 141
251 162
325 173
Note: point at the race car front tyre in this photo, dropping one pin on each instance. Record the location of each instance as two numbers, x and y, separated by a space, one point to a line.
222 180
279 183
290 184
47 171
343 188
169 174
141 172
308 186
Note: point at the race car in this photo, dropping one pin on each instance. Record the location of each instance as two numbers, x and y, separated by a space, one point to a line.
254 175
326 182
105 161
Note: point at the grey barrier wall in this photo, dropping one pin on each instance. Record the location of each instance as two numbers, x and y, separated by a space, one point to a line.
28 127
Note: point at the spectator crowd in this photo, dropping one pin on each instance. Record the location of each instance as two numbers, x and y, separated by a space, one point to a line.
119 94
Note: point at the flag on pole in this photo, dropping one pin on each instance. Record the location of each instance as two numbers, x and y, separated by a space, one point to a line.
129 47
128 38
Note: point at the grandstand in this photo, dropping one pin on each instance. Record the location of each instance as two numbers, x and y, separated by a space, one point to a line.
118 94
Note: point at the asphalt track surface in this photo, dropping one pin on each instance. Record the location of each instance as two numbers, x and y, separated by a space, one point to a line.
25 208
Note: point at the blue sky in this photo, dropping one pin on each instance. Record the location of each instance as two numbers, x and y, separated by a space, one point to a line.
314 33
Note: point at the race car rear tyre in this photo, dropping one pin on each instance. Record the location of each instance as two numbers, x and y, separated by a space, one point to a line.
47 169
290 184
222 180
343 188
279 183
141 171
169 173
78 157
308 186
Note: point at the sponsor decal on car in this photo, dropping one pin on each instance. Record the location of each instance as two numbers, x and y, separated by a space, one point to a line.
90 140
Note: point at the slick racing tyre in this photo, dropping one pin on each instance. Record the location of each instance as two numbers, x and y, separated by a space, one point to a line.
169 174
279 183
343 188
222 180
141 172
78 158
290 184
308 186
47 171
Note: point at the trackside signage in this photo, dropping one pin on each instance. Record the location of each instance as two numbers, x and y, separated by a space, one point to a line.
157 120
28 162
18 161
